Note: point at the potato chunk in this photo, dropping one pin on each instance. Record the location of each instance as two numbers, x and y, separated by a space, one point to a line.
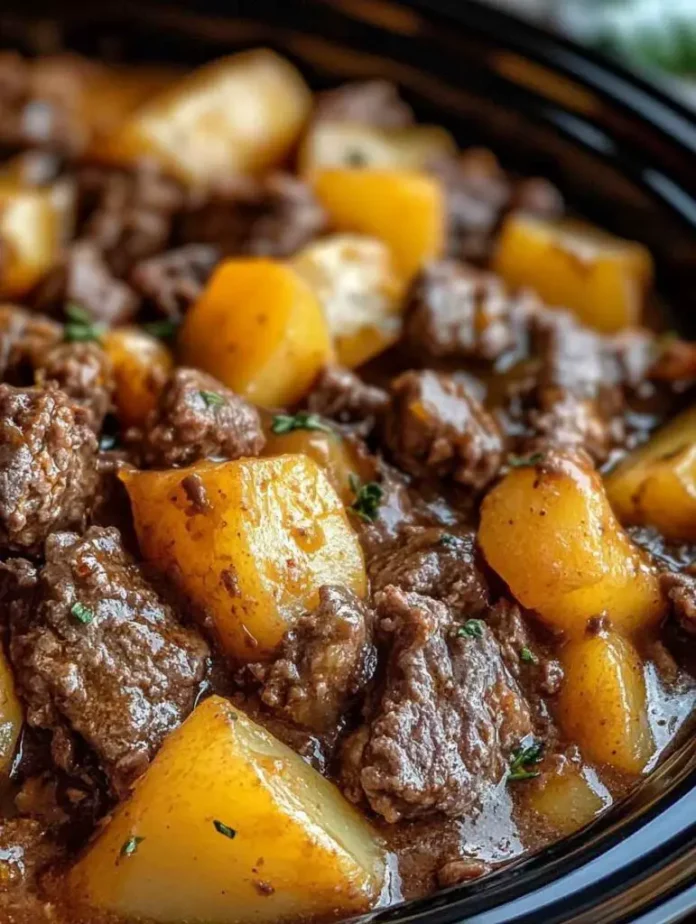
30 235
229 826
11 716
252 548
655 485
568 799
403 208
353 144
259 328
603 702
354 279
549 532
238 115
141 365
603 279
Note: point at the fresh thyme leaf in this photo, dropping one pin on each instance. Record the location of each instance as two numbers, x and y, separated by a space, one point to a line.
472 628
77 314
368 497
163 330
523 461
79 326
131 846
224 829
526 654
522 759
286 423
82 613
448 540
212 398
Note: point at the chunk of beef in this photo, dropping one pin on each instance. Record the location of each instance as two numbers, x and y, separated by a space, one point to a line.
198 418
24 338
170 282
456 311
396 510
673 361
271 217
447 719
341 395
524 657
25 849
369 102
97 654
83 278
435 427
48 473
680 590
85 373
326 659
437 563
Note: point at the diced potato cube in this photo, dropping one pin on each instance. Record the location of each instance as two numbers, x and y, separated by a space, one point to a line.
229 826
352 144
11 717
354 279
655 485
550 533
254 557
141 366
259 328
603 702
603 279
403 208
569 799
30 235
238 115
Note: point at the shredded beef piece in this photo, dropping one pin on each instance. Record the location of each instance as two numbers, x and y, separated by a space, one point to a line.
128 215
48 474
675 361
197 417
25 849
456 311
455 872
326 659
84 279
680 590
437 563
341 395
369 102
273 216
98 654
447 719
85 373
170 282
24 338
435 427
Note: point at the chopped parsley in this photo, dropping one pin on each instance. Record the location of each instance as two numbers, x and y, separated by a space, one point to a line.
212 398
526 654
80 326
163 330
82 613
286 423
368 497
224 829
448 540
524 758
524 461
131 846
472 628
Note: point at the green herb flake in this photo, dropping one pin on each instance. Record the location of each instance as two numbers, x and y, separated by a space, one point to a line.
79 326
286 423
355 158
82 613
472 628
212 398
527 655
131 846
448 540
224 829
524 461
163 330
524 758
368 497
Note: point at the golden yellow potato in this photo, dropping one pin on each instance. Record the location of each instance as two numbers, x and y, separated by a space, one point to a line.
30 231
549 532
603 702
253 559
403 208
655 485
11 716
568 799
603 279
354 144
259 328
354 279
229 826
238 115
141 366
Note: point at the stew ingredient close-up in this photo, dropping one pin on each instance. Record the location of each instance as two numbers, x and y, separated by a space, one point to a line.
347 501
